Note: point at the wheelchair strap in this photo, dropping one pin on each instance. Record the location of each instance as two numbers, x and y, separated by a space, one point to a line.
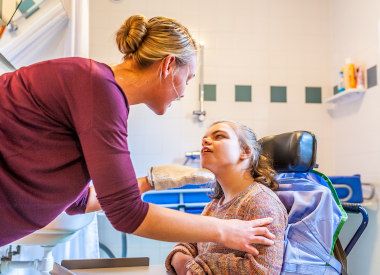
289 268
314 249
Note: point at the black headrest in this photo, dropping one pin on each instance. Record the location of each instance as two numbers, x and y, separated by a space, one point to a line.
291 152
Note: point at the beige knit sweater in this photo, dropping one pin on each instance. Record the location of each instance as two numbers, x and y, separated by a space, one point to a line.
257 201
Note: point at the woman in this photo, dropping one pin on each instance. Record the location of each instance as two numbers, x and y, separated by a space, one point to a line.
243 190
64 122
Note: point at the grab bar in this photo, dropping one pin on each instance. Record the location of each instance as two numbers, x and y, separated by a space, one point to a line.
201 113
191 156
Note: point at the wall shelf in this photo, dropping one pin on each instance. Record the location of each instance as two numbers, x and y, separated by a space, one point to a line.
346 96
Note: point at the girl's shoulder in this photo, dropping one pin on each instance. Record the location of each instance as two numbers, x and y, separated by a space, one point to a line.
260 190
262 196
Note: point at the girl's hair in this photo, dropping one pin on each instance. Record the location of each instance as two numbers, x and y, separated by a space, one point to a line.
146 41
260 166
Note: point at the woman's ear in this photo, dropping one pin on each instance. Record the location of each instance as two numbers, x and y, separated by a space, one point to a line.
245 153
168 66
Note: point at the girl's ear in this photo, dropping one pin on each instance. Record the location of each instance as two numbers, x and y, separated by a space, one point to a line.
168 66
245 153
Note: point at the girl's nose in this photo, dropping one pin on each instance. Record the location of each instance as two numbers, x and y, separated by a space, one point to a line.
206 141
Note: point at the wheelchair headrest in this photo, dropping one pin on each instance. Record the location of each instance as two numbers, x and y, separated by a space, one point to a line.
291 152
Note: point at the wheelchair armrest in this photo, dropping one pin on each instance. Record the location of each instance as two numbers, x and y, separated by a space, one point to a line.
356 208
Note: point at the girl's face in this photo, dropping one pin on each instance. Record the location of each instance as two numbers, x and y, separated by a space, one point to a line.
173 86
220 148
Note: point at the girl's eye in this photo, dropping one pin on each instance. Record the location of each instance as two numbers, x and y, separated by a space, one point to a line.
218 136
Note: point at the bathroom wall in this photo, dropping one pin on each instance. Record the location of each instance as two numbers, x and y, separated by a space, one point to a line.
355 33
256 43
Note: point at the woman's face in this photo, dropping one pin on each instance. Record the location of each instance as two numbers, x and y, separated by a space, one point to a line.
220 148
173 86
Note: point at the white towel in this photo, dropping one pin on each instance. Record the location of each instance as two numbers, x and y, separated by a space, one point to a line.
171 176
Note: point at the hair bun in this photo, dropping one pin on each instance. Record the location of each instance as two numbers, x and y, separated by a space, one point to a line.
131 34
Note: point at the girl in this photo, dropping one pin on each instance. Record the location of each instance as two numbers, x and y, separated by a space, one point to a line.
243 190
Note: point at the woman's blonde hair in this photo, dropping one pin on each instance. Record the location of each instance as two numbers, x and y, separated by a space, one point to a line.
260 166
147 41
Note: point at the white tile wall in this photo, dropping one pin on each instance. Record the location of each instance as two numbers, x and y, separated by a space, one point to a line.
354 122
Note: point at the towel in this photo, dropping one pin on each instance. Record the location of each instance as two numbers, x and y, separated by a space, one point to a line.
171 176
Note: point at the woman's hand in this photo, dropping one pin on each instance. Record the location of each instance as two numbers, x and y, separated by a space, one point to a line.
178 262
238 234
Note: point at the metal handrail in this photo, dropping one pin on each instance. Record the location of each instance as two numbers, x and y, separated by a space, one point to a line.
201 113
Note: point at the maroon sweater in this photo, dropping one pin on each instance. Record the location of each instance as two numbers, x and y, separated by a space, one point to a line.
62 123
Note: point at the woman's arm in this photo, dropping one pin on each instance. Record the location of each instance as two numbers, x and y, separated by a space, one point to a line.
93 203
144 186
174 226
170 225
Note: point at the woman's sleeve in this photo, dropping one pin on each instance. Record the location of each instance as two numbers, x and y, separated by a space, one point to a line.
269 260
185 248
105 148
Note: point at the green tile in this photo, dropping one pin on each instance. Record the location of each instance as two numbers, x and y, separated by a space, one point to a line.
277 94
313 95
210 92
25 5
335 89
243 93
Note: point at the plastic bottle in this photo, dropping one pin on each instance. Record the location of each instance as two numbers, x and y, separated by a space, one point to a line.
341 82
360 77
349 75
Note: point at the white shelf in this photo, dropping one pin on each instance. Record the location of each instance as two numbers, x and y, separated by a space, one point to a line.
346 96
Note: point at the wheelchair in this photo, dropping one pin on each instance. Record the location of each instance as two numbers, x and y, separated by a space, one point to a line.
294 158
